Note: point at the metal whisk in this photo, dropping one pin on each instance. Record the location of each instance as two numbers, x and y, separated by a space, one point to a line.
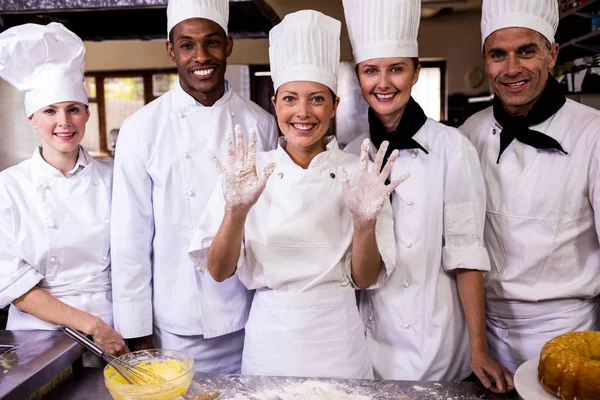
134 375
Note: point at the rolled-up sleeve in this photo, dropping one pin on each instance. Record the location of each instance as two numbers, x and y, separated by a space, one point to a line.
594 185
16 276
132 232
464 213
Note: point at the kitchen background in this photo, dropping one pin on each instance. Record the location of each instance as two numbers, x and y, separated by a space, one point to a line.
127 65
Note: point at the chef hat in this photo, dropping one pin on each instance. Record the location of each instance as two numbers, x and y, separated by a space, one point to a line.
214 10
45 62
305 46
538 15
383 28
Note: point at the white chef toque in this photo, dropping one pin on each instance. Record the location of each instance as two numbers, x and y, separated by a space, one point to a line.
538 15
383 28
214 10
45 62
305 46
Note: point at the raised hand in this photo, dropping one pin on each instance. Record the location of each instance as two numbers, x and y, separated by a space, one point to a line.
241 185
366 197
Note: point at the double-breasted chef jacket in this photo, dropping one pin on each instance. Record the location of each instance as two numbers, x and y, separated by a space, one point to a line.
542 231
163 179
296 252
54 233
415 325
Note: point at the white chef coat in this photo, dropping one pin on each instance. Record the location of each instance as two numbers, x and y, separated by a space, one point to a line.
54 233
415 324
542 231
297 251
163 179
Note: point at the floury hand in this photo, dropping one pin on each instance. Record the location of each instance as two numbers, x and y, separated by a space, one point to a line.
366 197
241 185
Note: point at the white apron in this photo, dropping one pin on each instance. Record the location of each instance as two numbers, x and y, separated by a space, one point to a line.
331 342
72 243
514 329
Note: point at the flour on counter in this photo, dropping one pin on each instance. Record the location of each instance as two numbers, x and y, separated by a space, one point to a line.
308 390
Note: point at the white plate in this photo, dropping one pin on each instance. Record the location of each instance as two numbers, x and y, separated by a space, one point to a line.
527 384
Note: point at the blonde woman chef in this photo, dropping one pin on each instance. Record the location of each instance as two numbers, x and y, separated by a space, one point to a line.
428 321
55 207
306 238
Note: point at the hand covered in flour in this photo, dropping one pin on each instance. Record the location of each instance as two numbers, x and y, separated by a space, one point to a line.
241 185
366 197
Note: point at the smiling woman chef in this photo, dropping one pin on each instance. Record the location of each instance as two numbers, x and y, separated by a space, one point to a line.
305 238
415 324
55 207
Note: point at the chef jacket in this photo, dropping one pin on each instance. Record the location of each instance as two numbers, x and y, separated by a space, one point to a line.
163 179
54 233
298 235
543 225
415 324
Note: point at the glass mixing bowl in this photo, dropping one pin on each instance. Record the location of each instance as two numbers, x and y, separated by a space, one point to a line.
178 364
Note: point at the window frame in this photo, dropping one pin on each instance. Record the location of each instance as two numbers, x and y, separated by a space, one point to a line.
441 65
99 77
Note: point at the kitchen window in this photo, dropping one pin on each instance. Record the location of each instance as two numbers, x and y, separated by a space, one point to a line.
114 96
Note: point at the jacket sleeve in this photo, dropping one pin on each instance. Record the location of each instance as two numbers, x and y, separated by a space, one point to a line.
464 212
16 276
132 231
594 185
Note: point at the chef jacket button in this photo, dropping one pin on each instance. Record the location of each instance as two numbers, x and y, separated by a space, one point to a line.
410 202
414 154
405 326
332 175
53 260
94 183
46 187
53 226
494 131
181 115
406 284
104 258
409 245
232 115
370 317
186 155
107 221
280 175
192 194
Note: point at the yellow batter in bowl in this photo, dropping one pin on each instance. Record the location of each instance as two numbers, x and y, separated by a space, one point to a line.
175 367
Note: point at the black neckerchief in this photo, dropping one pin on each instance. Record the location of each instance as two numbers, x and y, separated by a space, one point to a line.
402 138
550 101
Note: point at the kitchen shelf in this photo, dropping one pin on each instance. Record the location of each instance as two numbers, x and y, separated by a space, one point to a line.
579 11
575 34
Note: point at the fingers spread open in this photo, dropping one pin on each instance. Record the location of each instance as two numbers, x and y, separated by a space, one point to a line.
251 157
380 156
230 148
239 144
215 162
395 183
364 154
267 171
388 166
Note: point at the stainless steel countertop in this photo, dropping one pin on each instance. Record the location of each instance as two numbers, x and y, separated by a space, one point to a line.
90 386
39 356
